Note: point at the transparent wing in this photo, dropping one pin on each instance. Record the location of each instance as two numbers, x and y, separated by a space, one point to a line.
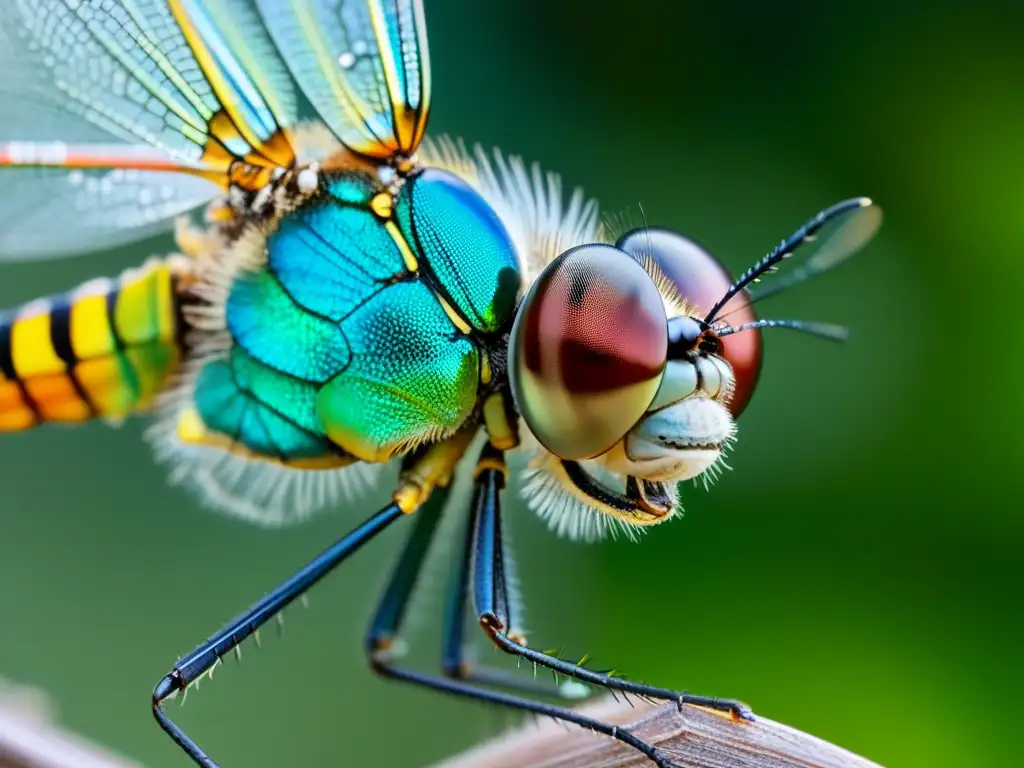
248 78
363 64
66 199
117 115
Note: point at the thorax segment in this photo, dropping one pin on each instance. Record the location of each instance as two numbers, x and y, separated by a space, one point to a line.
365 315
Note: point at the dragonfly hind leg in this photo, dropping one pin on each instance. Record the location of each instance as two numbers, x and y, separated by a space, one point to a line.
204 658
462 680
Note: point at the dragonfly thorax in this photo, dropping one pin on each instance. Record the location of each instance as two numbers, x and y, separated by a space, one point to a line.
354 330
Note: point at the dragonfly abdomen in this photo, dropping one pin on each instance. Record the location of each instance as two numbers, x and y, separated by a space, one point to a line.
104 349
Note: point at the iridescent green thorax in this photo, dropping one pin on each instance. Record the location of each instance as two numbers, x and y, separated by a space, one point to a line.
361 332
464 245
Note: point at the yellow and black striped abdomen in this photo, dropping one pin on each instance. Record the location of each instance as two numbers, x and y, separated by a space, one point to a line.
104 349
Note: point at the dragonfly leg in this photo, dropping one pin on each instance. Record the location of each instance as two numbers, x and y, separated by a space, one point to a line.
422 474
210 653
492 605
454 661
387 621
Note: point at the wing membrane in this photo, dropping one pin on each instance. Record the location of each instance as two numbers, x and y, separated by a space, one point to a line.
71 199
241 65
116 94
363 64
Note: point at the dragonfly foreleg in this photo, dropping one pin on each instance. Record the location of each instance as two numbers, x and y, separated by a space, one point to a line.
490 475
491 602
454 663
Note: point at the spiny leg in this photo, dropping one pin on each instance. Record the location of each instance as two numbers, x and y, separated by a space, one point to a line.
392 607
422 474
491 602
387 621
203 658
502 429
454 663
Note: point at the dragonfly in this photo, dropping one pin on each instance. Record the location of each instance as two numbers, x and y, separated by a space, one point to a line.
347 296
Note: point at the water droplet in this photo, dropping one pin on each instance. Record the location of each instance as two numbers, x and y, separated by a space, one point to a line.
347 60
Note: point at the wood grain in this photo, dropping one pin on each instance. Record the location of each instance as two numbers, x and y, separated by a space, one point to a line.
692 737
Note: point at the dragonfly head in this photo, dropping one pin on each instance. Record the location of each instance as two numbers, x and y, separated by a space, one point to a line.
614 369
630 363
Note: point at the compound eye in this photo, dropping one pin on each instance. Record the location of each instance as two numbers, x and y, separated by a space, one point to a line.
588 350
701 280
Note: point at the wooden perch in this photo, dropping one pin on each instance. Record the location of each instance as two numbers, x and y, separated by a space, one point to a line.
692 738
30 738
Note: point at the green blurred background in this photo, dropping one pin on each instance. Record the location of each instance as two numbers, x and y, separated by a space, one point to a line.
858 575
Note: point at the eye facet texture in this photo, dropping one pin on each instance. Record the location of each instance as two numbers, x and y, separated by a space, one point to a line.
589 346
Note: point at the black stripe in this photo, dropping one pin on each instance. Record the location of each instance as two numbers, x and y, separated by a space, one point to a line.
178 314
112 295
597 491
6 357
60 330
7 320
60 337
131 376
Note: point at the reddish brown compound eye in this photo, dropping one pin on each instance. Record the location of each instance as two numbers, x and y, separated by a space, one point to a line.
702 280
588 350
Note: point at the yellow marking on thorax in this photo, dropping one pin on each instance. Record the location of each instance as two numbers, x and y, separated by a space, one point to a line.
408 256
382 205
454 316
413 266
503 431
486 372
192 430
31 348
